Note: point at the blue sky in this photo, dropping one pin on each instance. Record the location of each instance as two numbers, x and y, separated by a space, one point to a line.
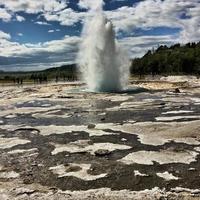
36 34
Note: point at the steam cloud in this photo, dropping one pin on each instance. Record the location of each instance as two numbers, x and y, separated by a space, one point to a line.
104 65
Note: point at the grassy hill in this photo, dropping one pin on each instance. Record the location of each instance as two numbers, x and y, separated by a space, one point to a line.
65 72
174 60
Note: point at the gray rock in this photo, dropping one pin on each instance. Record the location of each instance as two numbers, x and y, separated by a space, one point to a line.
91 126
177 90
102 152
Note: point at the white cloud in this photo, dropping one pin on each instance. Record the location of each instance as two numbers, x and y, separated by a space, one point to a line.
4 36
5 15
15 49
52 31
145 14
20 34
33 66
16 56
156 13
9 7
20 18
33 6
42 23
40 55
138 46
67 43
91 4
66 17
191 30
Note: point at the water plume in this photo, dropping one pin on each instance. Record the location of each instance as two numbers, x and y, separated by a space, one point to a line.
103 64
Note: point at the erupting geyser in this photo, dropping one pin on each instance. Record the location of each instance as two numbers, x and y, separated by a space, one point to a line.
103 64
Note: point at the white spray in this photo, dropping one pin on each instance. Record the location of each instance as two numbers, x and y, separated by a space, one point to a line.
103 64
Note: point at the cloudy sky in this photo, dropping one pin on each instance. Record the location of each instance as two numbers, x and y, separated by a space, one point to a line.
38 34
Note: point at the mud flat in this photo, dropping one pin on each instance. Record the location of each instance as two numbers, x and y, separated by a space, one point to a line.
58 142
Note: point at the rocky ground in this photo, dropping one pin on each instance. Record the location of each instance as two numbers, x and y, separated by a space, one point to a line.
58 142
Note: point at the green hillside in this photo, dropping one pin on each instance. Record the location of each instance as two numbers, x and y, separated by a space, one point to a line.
165 60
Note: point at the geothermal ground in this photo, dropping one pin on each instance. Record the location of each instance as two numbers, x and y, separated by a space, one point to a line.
59 143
